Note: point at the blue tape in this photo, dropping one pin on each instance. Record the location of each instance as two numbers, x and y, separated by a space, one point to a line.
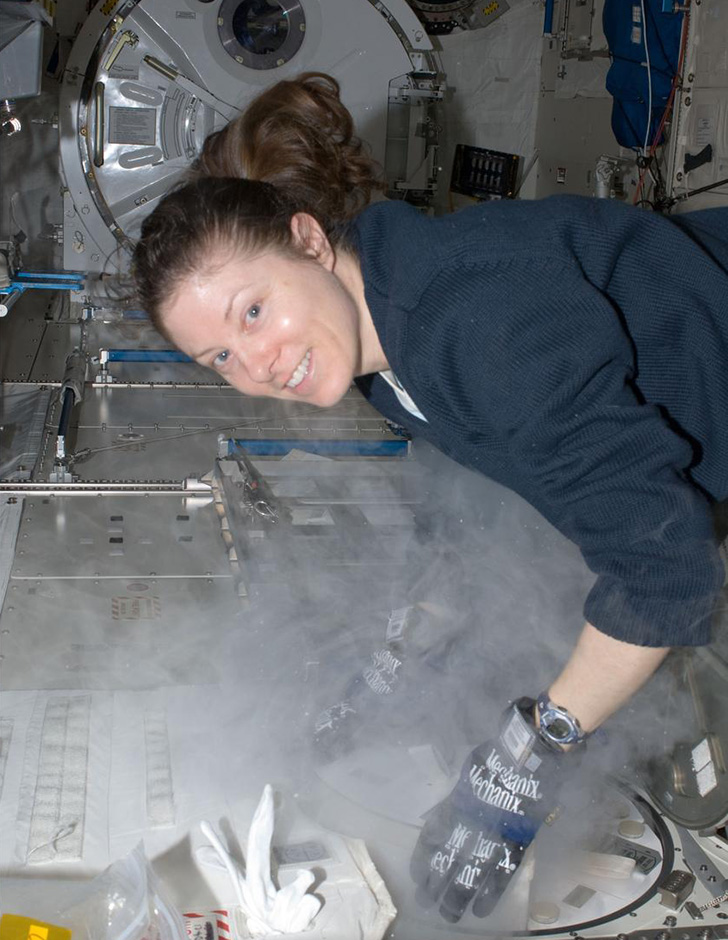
338 448
147 355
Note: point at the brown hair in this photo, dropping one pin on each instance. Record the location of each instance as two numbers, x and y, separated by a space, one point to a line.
296 135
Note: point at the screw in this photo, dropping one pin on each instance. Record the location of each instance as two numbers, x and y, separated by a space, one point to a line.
691 77
687 101
82 132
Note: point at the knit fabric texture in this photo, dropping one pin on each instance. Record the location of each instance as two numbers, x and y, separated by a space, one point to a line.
575 350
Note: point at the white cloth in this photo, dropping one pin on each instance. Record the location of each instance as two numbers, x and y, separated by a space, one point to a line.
267 909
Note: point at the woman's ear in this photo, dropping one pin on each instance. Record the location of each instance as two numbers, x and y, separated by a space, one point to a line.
309 236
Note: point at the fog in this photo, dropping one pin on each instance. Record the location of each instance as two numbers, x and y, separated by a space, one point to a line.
340 564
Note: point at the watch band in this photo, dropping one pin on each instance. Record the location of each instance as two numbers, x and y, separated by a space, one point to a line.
557 724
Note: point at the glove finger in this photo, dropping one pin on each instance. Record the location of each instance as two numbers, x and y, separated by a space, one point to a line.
475 876
493 888
434 834
444 859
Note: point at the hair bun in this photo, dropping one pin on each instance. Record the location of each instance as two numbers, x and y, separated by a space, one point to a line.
298 136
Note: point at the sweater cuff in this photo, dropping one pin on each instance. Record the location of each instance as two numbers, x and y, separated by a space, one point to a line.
650 621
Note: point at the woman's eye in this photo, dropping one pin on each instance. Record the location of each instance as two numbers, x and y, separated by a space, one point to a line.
221 358
252 315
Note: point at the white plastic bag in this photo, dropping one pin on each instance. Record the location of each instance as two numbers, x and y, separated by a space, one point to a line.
126 902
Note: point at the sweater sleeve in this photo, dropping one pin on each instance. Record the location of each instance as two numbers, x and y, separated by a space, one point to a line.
603 466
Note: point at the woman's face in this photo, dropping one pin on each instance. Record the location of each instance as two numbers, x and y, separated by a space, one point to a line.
271 325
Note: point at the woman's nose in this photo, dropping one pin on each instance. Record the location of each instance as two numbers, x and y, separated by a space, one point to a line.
260 365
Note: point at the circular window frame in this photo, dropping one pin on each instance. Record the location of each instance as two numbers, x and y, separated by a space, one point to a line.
257 60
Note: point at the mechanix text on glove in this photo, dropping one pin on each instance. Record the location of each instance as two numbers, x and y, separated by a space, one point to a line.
473 842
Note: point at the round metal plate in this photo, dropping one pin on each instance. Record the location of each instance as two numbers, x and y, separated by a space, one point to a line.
689 783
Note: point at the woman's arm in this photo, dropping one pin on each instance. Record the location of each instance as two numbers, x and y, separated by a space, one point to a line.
601 675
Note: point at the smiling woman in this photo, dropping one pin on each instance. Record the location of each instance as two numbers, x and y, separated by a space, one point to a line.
572 349
288 323
225 259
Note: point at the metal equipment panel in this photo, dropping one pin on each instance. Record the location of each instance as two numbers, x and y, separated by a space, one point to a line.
111 634
144 433
121 537
22 336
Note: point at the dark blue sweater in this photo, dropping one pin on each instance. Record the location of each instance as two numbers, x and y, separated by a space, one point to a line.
575 350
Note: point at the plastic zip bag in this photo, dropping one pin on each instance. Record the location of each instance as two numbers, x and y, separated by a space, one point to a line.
126 902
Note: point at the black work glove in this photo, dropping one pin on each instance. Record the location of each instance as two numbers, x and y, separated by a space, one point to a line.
474 840
413 636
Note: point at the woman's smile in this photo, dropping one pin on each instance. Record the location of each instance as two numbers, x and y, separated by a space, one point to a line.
301 372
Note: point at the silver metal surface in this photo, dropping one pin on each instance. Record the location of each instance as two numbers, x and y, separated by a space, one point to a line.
25 332
690 782
21 51
289 519
702 866
168 433
23 431
131 633
120 537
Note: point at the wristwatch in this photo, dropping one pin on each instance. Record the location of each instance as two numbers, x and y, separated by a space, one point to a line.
556 724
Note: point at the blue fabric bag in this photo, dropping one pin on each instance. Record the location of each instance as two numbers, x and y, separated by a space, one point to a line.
627 78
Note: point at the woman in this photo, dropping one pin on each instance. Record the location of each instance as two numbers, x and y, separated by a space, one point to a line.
572 349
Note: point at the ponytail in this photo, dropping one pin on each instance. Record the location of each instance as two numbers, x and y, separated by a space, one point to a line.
298 135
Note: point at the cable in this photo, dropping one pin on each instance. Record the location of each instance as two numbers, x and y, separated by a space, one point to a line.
676 80
87 452
649 79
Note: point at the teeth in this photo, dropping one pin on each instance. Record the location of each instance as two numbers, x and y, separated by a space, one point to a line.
301 371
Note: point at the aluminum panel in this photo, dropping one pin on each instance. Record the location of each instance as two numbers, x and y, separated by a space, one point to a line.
119 537
58 342
170 433
110 634
21 334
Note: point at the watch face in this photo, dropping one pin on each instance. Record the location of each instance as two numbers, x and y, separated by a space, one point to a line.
556 727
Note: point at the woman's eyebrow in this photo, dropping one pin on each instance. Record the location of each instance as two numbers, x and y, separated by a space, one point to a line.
225 318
